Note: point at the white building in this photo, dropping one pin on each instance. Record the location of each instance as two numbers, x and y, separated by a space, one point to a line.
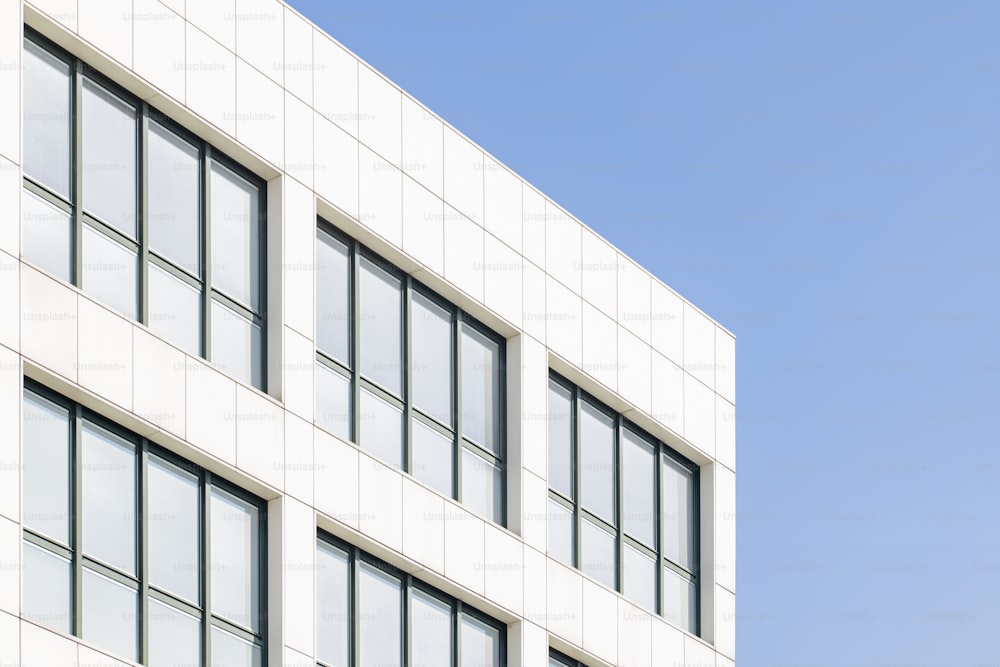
241 250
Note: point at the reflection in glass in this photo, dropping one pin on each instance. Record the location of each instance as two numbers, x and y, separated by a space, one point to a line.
228 650
45 236
481 389
174 637
46 119
431 457
174 310
333 320
430 347
597 553
46 588
679 601
235 559
235 236
381 327
109 158
108 481
172 526
333 401
482 486
639 577
480 644
560 528
677 484
430 628
174 177
109 271
380 609
597 461
639 488
109 615
46 467
560 416
236 345
333 606
381 429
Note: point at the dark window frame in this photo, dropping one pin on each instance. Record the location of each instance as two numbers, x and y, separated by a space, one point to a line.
207 481
580 514
458 319
145 255
408 583
564 660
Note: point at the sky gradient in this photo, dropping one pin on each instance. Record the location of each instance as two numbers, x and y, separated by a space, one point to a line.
823 179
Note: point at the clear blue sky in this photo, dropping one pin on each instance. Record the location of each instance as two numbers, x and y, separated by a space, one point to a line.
823 178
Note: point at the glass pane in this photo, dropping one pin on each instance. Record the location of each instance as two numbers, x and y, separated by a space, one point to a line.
680 601
109 271
482 486
481 390
333 298
174 637
46 468
381 327
597 461
432 457
639 489
174 198
560 440
430 628
333 401
109 184
639 578
678 512
597 553
235 224
560 529
46 588
109 615
228 650
46 118
108 482
236 345
172 524
174 310
480 644
235 560
380 604
333 606
46 236
431 352
381 429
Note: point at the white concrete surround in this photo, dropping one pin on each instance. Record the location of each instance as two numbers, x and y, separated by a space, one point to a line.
333 137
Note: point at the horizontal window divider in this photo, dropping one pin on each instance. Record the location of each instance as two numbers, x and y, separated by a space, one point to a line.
174 270
598 521
234 628
334 365
376 389
680 569
487 454
228 301
47 543
110 232
110 572
177 603
561 499
48 195
432 422
639 546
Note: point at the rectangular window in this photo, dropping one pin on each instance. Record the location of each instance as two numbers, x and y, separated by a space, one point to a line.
623 507
409 377
369 614
142 553
142 215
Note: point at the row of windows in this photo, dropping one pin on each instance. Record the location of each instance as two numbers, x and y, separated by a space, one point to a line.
408 376
622 506
145 217
133 549
369 613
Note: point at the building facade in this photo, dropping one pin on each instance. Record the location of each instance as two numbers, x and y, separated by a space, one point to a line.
293 373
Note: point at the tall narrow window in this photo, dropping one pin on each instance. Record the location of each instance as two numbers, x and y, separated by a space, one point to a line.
409 377
140 214
369 614
147 556
622 506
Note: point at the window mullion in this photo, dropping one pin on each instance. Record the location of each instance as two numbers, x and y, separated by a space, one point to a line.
355 653
658 536
76 191
206 254
355 347
616 484
456 387
575 453
75 511
143 237
407 389
142 498
206 567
